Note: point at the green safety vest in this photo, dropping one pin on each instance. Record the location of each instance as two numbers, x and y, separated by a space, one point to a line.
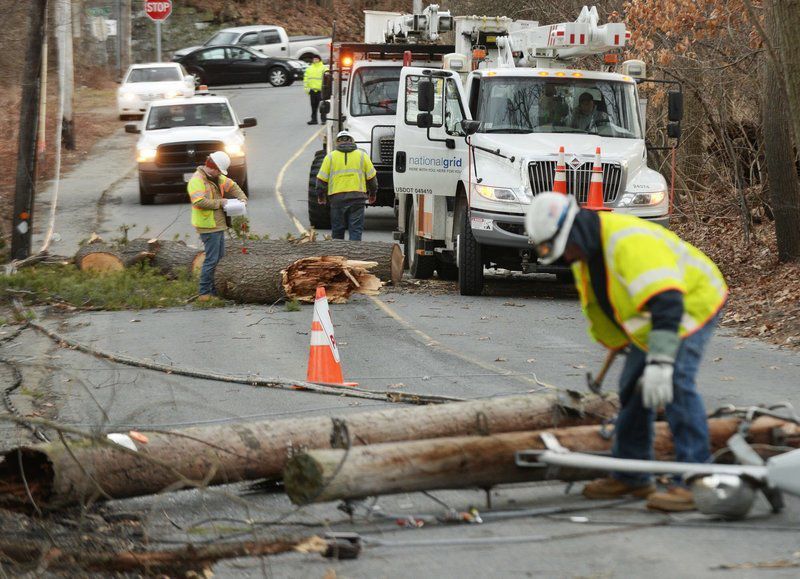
644 259
200 186
345 177
312 78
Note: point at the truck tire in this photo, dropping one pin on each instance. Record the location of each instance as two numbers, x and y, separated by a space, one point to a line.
565 277
447 271
470 264
318 215
277 76
145 197
419 266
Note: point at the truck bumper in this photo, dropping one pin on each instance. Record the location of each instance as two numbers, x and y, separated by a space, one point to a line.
499 229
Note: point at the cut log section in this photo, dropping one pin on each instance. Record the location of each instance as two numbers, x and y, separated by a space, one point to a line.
103 257
339 275
173 257
57 475
256 276
479 462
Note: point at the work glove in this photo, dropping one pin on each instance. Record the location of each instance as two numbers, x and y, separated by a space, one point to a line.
322 199
657 384
656 381
372 199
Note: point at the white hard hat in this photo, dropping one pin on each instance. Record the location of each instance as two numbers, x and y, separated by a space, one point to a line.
548 222
221 160
344 133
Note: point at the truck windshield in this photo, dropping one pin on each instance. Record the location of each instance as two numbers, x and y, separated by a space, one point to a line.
551 105
190 115
374 91
222 38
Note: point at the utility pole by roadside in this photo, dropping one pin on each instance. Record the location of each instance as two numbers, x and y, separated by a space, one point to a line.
125 34
28 120
66 70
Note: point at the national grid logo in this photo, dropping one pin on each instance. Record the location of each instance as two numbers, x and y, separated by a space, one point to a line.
437 164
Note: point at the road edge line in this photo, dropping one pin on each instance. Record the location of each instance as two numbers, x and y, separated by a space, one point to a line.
279 181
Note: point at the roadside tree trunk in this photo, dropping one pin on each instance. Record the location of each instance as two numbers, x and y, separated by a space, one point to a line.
173 257
103 257
787 25
779 145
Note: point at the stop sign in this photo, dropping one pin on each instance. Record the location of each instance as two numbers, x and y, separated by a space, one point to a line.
158 10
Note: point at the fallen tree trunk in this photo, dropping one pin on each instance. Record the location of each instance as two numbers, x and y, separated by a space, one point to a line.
255 276
56 474
173 257
482 462
103 257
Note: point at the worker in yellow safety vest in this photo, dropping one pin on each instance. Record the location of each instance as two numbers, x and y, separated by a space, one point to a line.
347 179
312 83
210 190
642 288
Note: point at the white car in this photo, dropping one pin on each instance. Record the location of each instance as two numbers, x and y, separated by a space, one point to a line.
147 82
177 135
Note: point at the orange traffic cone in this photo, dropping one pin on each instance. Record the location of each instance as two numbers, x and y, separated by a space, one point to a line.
595 200
560 179
323 359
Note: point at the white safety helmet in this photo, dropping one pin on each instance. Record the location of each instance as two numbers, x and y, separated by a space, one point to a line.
548 222
345 134
221 160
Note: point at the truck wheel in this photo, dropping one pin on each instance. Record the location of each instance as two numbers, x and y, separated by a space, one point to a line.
470 264
145 197
419 266
318 215
277 76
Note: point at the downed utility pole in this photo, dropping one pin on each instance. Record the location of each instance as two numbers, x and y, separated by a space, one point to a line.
56 474
479 462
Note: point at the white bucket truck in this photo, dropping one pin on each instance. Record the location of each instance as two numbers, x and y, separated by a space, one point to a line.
361 92
475 140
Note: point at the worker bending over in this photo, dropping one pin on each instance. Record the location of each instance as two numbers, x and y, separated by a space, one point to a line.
344 179
641 286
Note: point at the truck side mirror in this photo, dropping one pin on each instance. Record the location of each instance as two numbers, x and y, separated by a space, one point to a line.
425 97
674 130
324 108
131 128
675 106
248 122
470 127
327 85
424 120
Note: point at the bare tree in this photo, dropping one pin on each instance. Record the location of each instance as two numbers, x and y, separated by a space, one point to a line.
778 142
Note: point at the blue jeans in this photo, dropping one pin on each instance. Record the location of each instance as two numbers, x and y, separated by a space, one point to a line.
347 217
686 415
214 244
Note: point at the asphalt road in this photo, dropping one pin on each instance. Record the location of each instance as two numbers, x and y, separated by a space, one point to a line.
426 338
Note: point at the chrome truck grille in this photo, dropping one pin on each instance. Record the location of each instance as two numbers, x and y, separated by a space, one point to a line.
542 174
181 154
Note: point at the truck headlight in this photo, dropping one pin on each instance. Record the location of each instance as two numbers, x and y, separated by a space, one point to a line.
173 94
145 154
642 199
495 193
127 96
234 150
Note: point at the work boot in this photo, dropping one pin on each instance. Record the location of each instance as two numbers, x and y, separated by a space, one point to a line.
612 488
675 499
204 298
312 122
